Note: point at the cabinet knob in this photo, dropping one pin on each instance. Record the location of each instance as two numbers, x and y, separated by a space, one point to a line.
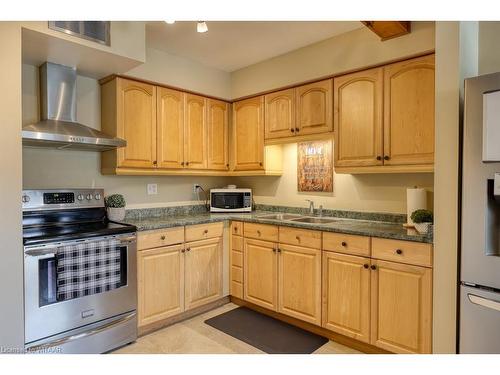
205 231
260 163
379 157
182 163
399 251
292 130
297 238
297 130
227 165
236 229
344 244
162 237
187 163
366 265
387 157
373 267
188 249
155 162
258 232
183 250
279 250
274 250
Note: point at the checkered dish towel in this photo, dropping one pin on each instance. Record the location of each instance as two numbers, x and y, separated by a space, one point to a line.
88 268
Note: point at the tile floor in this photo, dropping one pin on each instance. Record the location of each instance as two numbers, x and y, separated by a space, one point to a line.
193 336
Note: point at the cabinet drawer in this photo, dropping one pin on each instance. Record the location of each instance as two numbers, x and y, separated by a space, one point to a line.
237 274
236 258
237 243
237 228
408 252
203 231
261 232
346 243
300 237
237 289
161 237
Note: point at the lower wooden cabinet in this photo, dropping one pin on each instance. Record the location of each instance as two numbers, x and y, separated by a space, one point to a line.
401 307
346 295
160 276
203 272
299 282
260 273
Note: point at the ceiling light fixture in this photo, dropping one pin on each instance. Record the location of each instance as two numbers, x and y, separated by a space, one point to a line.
170 22
201 27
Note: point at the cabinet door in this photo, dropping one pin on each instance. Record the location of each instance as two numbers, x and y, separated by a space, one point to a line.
248 134
401 307
314 108
170 128
299 283
280 114
217 135
136 123
358 118
409 112
346 295
260 273
195 132
160 276
203 272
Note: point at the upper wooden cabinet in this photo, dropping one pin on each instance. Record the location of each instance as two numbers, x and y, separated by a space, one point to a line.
280 114
314 108
170 128
218 135
358 118
195 132
248 134
129 112
409 112
384 118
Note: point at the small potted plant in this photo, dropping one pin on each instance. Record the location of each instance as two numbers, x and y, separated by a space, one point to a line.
115 205
422 219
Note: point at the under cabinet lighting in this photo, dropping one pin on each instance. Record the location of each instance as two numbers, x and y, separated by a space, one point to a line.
170 22
201 27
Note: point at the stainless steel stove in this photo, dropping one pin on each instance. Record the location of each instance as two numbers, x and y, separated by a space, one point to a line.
80 285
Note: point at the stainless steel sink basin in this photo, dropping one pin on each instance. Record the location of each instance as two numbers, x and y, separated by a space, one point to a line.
279 216
314 220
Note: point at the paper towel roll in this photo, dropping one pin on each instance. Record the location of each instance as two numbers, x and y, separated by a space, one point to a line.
416 199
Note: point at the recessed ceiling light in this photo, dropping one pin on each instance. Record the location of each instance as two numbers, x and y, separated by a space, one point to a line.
170 22
201 27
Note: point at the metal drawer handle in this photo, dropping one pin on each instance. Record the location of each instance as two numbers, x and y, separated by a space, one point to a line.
485 302
66 339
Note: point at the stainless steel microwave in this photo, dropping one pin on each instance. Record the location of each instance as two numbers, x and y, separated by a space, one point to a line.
230 200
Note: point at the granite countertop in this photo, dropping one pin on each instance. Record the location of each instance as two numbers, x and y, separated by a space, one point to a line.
370 228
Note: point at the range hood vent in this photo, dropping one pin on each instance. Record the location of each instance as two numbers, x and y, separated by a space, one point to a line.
58 127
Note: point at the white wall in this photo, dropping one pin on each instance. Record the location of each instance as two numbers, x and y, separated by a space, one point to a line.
376 192
11 247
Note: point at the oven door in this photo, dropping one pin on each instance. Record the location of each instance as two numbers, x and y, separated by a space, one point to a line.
46 316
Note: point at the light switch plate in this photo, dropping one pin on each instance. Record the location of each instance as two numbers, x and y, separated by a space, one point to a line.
152 189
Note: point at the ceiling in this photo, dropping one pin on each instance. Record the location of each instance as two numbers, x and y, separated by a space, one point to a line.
229 45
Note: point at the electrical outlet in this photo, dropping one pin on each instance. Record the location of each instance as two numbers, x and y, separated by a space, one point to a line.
195 188
152 189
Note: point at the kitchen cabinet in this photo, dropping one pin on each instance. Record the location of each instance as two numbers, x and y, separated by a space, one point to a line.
195 130
346 295
170 128
384 118
314 108
160 276
358 114
401 307
280 114
299 282
236 260
409 112
248 134
129 112
260 265
203 272
218 133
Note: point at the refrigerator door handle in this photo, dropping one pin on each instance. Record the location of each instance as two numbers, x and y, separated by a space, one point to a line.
485 302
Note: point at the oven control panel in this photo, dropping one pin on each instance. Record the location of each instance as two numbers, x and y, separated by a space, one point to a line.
62 199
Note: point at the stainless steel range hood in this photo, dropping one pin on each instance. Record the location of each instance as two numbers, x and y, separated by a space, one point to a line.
58 127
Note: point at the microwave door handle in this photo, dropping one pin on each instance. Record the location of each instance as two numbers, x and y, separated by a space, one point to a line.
485 302
42 252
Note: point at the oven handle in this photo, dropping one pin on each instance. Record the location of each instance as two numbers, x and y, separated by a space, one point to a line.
66 339
51 250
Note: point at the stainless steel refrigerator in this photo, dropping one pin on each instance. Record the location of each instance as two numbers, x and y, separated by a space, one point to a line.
479 313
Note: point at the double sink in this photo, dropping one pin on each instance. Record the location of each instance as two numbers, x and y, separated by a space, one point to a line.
298 218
